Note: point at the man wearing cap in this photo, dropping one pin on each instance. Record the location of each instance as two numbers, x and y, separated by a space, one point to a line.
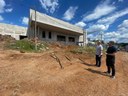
110 58
99 49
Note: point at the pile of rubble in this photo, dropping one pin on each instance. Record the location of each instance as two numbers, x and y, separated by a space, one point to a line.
6 38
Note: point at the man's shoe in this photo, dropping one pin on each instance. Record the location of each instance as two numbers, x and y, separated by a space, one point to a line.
113 77
96 65
107 73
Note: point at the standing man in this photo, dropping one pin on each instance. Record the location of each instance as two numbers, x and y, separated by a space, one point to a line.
110 59
99 53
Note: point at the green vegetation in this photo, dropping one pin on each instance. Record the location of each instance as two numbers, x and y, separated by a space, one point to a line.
84 50
28 46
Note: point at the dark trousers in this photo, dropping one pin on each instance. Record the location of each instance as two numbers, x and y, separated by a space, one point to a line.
111 66
98 60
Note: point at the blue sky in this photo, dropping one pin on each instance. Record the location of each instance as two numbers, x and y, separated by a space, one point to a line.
109 17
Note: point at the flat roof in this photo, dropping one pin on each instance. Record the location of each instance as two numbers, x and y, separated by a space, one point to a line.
8 28
48 20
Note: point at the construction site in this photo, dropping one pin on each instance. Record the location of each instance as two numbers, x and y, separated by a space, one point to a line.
58 71
63 48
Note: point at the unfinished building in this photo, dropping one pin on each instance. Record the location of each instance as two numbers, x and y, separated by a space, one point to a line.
50 29
12 30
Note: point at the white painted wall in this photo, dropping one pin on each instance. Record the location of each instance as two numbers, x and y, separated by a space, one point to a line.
45 19
126 48
13 30
53 35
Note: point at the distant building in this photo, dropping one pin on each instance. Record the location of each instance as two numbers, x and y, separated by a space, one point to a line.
47 29
126 48
53 30
13 30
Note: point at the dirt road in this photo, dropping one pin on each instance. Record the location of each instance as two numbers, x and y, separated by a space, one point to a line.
38 74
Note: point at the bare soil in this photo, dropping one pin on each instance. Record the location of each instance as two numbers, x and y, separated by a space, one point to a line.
39 74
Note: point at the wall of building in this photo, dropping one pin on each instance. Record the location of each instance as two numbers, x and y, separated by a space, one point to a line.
56 26
43 18
54 34
126 48
13 30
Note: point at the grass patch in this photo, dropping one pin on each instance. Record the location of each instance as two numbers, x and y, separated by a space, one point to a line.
28 46
84 50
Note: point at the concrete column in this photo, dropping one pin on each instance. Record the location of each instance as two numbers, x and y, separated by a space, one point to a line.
3 31
85 38
66 36
14 34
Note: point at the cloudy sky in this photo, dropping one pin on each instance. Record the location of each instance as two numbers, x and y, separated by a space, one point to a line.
107 17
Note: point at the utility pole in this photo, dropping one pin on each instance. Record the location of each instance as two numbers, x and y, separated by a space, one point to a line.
101 36
84 37
35 32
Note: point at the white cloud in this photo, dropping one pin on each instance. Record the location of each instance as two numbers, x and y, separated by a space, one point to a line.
25 20
69 14
113 3
9 10
123 31
117 37
124 24
112 18
120 0
80 24
121 35
49 5
2 5
111 35
97 28
1 18
102 9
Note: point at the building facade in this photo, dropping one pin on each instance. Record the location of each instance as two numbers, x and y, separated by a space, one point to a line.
126 48
50 29
12 30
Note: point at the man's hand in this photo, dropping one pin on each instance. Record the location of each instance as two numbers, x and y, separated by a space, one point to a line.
112 54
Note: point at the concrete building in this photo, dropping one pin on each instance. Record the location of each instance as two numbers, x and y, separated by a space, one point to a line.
13 30
53 30
126 48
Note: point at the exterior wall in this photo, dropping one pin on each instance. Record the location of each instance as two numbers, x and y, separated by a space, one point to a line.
54 25
126 48
13 30
53 36
45 19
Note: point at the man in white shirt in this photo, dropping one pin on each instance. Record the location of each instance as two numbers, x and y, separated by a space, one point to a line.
99 53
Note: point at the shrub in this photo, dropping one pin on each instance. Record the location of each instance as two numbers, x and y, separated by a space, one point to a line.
84 50
28 46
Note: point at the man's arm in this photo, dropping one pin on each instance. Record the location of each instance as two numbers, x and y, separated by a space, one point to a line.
112 54
101 50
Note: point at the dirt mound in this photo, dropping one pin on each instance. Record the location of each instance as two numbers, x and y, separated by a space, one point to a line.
39 74
6 38
61 46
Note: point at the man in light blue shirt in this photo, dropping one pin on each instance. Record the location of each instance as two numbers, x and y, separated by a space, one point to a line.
99 53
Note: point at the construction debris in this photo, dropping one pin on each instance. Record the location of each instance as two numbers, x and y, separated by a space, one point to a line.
6 38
